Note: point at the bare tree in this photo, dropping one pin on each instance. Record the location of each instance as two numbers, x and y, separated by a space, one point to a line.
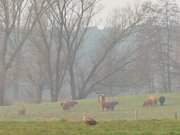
52 47
122 26
71 19
11 11
164 18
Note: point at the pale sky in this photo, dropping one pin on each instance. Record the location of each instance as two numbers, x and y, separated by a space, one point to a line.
109 5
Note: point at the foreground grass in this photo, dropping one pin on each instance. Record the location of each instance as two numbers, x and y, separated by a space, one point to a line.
103 128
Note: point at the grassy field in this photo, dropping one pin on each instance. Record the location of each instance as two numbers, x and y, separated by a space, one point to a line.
124 111
103 128
50 119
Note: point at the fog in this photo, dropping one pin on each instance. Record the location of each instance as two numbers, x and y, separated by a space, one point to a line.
52 51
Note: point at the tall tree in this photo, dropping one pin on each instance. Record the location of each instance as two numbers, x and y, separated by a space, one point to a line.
50 31
164 17
121 27
9 19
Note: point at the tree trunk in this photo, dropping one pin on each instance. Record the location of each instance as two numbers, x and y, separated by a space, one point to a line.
2 88
39 96
54 95
72 83
55 92
73 92
54 98
169 79
168 50
164 83
16 91
82 95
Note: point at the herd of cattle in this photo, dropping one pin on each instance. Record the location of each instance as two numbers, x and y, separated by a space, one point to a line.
110 105
153 100
105 106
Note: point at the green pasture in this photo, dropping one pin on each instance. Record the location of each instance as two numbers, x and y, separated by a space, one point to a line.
129 108
102 128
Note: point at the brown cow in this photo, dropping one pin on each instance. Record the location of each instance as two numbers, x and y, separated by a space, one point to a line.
154 99
67 105
106 105
109 105
22 111
150 101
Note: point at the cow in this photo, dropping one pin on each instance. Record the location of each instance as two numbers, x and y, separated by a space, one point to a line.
109 105
150 101
106 105
162 100
67 105
154 99
22 111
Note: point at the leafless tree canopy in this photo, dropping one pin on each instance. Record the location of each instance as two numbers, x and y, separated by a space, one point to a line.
50 50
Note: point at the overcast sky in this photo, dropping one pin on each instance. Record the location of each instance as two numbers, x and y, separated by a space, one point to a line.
109 5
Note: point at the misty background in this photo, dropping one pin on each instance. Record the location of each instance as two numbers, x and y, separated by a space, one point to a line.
75 49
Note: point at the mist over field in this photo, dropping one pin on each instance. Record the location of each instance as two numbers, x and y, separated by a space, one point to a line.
82 64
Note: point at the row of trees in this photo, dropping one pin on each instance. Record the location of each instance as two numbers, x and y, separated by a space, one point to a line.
42 43
159 47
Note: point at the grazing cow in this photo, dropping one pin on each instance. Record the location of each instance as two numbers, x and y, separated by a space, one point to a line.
162 100
68 105
109 105
89 120
150 101
154 99
22 111
106 105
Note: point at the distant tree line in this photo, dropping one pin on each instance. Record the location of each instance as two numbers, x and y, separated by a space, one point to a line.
42 43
